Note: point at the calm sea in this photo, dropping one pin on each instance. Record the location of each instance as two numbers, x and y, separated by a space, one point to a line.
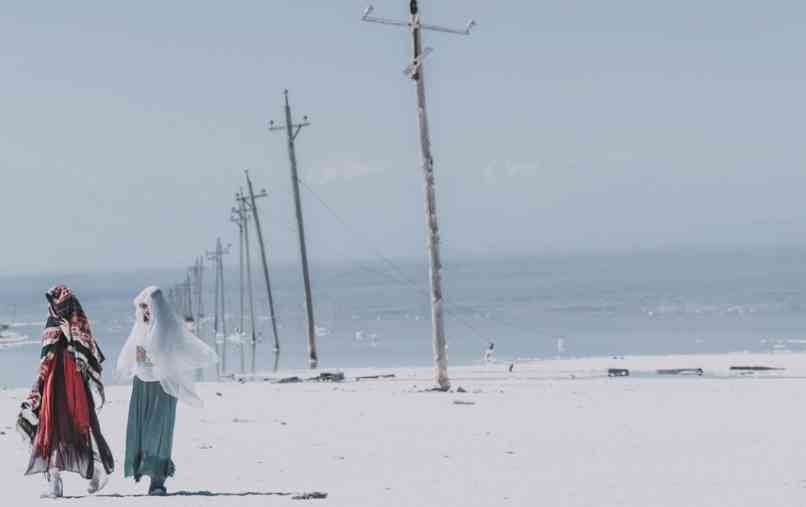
373 314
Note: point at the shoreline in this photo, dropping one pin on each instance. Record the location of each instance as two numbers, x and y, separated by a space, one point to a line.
714 364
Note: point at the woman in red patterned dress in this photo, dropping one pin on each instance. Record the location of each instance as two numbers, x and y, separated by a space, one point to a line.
59 414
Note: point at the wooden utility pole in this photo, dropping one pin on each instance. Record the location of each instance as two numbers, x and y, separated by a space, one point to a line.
245 211
240 219
188 295
292 130
179 295
220 319
415 72
253 204
197 281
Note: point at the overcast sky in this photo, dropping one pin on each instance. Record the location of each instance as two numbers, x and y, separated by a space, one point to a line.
562 125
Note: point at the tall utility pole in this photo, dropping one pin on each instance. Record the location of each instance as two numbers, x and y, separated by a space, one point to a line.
245 212
220 319
415 72
292 130
253 204
239 219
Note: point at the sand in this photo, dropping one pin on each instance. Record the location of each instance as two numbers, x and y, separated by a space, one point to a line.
551 433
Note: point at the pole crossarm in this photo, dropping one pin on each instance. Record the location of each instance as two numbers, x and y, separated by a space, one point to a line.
240 215
296 127
416 24
247 203
214 255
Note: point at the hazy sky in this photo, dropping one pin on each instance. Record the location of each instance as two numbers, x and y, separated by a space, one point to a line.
562 125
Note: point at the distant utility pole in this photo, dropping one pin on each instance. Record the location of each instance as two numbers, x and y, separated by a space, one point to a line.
240 218
197 280
171 297
292 130
187 287
253 204
179 295
415 72
246 212
220 319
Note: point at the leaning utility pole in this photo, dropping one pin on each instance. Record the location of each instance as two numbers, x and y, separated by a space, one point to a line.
415 72
245 211
220 319
253 204
292 130
239 219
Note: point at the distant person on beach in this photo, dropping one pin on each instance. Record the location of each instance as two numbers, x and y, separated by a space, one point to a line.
488 353
58 416
161 355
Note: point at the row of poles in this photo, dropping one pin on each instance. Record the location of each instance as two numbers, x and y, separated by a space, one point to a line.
188 295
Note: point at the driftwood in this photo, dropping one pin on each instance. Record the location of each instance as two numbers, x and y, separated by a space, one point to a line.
681 371
316 495
375 377
618 372
322 377
436 389
327 377
755 368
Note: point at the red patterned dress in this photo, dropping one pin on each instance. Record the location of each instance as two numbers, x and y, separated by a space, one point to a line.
59 414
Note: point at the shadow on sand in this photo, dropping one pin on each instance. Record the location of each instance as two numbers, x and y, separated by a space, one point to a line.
314 495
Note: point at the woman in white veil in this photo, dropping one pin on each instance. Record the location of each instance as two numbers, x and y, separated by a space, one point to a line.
161 356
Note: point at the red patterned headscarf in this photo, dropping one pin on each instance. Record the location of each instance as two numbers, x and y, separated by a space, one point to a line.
67 318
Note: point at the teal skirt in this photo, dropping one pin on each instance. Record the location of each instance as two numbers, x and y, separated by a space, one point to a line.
150 432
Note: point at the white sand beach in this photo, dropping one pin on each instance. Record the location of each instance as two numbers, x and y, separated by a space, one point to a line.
550 433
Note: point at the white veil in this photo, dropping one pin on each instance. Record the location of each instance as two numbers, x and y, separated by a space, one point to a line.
174 352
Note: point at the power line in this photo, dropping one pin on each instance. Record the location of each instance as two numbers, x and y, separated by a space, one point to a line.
352 231
398 270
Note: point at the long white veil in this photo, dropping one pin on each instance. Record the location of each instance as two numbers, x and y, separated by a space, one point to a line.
173 351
